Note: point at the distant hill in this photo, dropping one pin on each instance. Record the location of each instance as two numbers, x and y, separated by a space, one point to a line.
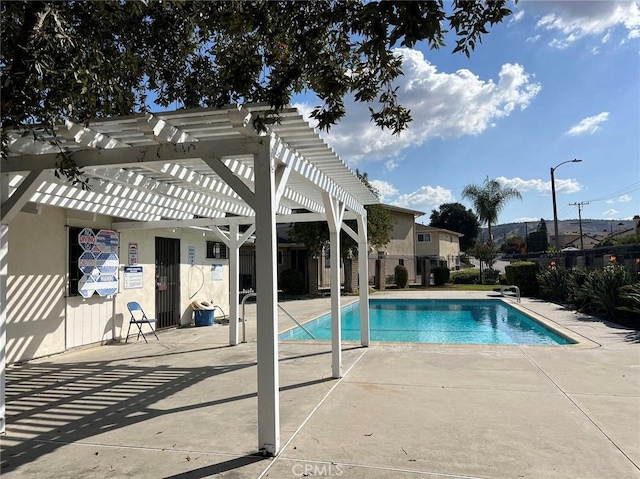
593 227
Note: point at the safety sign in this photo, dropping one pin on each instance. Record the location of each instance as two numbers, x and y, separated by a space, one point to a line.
106 285
86 286
87 263
87 239
107 263
107 241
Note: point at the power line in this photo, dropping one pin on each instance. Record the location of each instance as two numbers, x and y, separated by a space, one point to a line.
580 205
622 191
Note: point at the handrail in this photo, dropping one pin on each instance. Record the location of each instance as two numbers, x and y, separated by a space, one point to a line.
296 321
511 286
244 322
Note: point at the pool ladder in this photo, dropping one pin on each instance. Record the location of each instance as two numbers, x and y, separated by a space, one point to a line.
244 323
511 286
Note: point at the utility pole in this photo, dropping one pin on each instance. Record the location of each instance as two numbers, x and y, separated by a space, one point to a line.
580 205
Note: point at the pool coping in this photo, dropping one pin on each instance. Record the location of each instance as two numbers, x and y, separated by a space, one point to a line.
579 341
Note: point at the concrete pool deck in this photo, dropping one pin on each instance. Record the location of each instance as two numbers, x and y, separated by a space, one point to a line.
185 407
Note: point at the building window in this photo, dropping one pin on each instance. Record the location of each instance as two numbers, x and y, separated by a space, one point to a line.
424 237
216 250
401 262
280 255
75 251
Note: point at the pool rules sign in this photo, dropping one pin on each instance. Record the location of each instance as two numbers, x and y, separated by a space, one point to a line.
98 262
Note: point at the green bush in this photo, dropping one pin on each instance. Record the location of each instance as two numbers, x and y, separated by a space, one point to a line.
440 275
292 282
600 290
490 276
523 275
554 283
401 276
466 276
575 294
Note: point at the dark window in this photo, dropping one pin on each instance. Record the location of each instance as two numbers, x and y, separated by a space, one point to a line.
401 262
216 250
280 257
75 251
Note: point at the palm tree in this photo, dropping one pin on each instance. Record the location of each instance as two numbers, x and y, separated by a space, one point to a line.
488 200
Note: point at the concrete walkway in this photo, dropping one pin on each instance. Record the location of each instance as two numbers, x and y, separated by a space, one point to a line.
185 407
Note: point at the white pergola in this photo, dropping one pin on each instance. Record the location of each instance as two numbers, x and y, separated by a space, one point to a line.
205 168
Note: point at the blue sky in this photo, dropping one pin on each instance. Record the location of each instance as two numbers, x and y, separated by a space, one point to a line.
554 82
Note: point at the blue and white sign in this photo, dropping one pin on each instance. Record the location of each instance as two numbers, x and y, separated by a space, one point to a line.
87 286
107 241
87 263
106 285
133 277
107 263
87 239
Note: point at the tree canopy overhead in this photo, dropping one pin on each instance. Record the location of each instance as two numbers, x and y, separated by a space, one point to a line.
83 60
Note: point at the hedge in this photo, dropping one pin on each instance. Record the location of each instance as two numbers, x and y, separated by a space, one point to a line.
440 275
523 275
401 276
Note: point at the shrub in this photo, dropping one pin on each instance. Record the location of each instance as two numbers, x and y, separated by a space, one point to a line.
490 276
440 275
401 276
554 283
601 289
467 276
523 275
575 294
292 282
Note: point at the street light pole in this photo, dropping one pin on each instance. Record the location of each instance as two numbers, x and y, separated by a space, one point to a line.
553 195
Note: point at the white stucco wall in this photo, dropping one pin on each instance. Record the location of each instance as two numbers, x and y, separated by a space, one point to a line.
41 320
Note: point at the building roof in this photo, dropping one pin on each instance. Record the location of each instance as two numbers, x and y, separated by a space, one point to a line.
425 228
399 209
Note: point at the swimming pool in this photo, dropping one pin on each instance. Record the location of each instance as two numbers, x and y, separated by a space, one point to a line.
435 321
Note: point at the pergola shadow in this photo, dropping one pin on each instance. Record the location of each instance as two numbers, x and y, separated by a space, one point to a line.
50 405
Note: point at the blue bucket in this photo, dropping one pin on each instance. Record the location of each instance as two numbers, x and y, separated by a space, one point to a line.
204 317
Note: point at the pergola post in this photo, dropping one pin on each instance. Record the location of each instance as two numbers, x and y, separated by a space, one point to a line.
335 211
234 283
267 303
4 271
363 285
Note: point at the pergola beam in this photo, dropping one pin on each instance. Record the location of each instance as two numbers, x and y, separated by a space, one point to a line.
133 156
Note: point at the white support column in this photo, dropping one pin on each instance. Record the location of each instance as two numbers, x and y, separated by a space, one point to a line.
335 210
4 271
267 303
363 273
234 284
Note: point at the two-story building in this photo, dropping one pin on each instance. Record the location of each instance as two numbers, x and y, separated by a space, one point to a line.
439 245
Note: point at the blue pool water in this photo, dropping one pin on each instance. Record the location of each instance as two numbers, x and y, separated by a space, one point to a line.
435 321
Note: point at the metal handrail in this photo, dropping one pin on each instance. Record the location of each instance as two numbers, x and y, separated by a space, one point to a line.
244 322
511 286
296 321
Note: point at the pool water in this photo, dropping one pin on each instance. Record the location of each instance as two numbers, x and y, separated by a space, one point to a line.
435 321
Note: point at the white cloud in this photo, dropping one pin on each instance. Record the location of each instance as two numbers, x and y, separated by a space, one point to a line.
588 125
526 219
624 199
386 190
609 202
533 39
575 19
443 105
391 164
562 186
516 17
610 212
425 198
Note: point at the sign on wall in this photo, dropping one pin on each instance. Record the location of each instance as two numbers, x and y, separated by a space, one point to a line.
133 253
99 262
216 272
192 255
133 277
